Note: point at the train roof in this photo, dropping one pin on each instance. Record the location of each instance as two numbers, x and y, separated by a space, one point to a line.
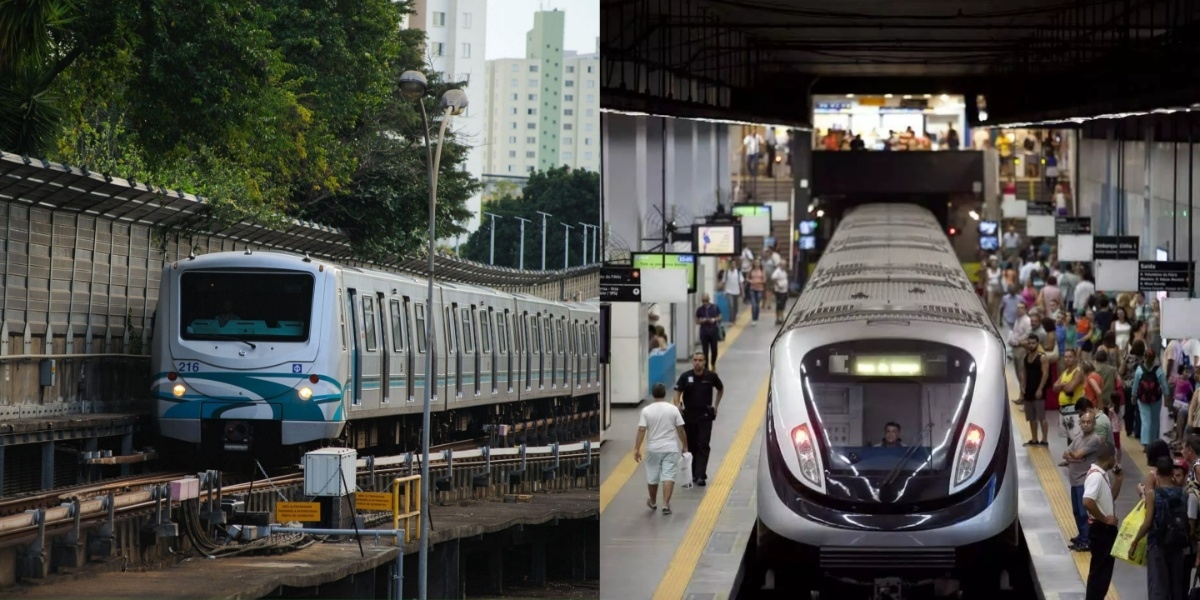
889 261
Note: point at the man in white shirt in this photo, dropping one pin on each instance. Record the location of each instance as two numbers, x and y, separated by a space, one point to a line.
661 426
1083 290
731 284
1019 333
1099 489
779 284
750 142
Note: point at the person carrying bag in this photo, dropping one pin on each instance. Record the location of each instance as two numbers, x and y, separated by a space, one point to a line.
1129 530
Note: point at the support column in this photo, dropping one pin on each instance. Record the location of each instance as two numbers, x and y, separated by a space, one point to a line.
48 465
537 559
1108 201
1148 239
2 461
445 574
90 473
800 153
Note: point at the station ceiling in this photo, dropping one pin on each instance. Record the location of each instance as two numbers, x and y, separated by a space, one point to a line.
1030 59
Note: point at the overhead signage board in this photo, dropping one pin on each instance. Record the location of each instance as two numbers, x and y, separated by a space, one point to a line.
1072 225
668 260
620 284
1115 247
1163 276
1039 209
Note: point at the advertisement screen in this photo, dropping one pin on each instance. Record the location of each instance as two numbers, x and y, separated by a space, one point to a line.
808 242
746 210
989 243
808 227
989 228
668 261
717 240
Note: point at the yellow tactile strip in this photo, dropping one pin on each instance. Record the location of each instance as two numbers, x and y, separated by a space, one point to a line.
1057 493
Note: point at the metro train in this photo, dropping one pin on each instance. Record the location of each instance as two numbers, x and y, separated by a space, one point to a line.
887 459
268 354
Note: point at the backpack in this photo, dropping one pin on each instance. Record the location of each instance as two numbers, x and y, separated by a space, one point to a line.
1148 389
1172 529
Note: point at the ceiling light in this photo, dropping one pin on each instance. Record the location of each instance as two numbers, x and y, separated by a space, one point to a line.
907 97
887 95
849 95
945 98
928 96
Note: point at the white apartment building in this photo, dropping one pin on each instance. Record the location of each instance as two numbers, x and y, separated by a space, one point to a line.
514 124
456 37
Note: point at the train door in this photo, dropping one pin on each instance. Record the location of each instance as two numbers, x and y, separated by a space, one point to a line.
453 354
539 349
370 355
355 349
426 387
468 345
527 349
595 355
485 365
563 357
385 351
502 339
406 342
579 353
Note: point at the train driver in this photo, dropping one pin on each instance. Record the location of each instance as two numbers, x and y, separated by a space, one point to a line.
891 436
227 314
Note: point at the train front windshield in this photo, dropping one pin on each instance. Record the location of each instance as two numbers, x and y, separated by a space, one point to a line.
891 413
266 307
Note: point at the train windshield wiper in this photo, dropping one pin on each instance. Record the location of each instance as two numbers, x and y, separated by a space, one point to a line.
233 338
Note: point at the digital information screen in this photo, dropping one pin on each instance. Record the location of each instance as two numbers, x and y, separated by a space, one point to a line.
808 242
989 228
671 260
717 240
808 227
748 210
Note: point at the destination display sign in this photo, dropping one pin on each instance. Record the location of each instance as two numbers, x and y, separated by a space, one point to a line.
1039 209
1072 225
1115 247
620 284
1165 276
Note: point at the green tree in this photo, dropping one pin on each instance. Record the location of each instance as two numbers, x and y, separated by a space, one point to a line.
275 109
571 196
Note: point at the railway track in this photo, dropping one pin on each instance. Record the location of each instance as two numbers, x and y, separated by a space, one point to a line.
55 497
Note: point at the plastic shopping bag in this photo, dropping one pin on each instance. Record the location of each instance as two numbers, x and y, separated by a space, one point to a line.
684 474
1129 528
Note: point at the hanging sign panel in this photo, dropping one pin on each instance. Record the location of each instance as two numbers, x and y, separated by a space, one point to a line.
1163 276
1073 225
1106 247
620 284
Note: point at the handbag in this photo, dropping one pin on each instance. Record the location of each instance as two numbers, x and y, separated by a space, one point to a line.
684 476
1129 528
721 332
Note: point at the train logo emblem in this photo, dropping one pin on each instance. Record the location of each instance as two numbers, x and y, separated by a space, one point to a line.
297 368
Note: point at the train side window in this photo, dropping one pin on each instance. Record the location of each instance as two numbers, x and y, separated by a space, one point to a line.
485 331
397 327
421 339
502 332
562 340
576 347
368 306
594 348
342 317
468 333
537 334
451 331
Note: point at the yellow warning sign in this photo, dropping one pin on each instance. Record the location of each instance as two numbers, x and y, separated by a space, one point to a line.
373 501
305 512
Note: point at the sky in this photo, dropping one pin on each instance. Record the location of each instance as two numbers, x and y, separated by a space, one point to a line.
509 20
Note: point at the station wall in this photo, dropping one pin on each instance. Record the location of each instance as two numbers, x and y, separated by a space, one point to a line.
1155 184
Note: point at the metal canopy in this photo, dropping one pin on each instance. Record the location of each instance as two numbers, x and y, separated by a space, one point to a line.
57 187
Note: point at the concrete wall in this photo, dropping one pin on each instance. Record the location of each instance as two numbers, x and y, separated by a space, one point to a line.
636 148
1153 178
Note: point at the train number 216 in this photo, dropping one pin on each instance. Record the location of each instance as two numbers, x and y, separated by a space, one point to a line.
189 367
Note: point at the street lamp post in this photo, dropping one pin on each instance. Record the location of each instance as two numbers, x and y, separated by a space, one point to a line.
544 215
585 246
521 264
566 246
492 252
413 86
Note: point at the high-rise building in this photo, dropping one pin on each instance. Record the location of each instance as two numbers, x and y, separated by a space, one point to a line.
543 110
456 37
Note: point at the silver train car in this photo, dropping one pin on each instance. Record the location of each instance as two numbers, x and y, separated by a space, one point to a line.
264 351
887 454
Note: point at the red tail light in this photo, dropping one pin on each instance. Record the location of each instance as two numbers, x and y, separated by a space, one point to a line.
806 454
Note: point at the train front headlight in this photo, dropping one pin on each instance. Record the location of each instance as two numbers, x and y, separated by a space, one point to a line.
806 453
305 393
969 454
179 390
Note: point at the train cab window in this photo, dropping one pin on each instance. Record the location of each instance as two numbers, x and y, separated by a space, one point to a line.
485 331
468 332
502 332
368 306
397 326
421 339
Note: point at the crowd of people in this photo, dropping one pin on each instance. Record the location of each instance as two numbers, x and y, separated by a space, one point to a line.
908 139
1093 358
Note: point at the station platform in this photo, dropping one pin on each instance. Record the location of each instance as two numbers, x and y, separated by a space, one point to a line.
696 552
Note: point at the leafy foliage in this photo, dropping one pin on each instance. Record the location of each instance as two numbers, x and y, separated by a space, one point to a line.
270 109
570 196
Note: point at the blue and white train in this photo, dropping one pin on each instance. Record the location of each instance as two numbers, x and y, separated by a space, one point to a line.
887 457
257 352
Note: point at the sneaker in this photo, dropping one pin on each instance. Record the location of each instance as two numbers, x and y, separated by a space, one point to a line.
701 482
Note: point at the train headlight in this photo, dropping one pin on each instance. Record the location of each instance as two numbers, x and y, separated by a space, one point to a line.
305 393
969 455
806 453
179 390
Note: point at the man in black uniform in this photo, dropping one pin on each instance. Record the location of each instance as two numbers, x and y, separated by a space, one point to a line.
694 395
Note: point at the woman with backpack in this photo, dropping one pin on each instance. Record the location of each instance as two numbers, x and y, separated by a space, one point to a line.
1149 390
1168 535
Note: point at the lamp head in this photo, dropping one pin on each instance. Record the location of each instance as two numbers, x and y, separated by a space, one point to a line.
456 100
413 85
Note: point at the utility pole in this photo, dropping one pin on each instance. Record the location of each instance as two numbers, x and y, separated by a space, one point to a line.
544 215
566 246
522 254
585 244
492 252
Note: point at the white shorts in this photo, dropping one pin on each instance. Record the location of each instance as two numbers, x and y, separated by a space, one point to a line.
661 466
